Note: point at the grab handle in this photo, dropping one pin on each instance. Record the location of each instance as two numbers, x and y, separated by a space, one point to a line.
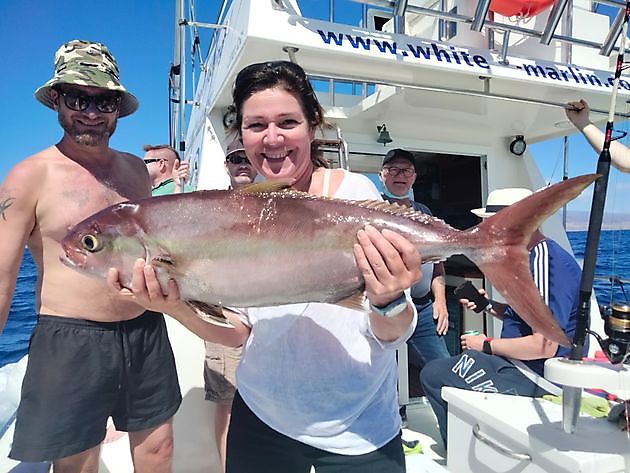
499 448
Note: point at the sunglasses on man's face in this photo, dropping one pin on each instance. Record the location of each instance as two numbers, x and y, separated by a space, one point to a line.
238 159
105 103
151 160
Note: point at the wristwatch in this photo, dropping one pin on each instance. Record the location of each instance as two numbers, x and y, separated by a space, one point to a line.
487 348
395 307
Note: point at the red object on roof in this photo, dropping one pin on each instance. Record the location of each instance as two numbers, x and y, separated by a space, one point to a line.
520 7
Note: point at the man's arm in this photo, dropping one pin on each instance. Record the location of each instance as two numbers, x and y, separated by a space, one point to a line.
578 114
531 347
438 288
17 218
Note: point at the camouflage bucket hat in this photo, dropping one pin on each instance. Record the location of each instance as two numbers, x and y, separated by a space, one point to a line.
86 63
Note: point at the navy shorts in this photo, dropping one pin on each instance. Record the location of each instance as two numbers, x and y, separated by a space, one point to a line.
81 372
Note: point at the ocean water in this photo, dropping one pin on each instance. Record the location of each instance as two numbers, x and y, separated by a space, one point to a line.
613 261
17 331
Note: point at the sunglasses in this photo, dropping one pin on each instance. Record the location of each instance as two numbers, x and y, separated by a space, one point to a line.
238 159
407 172
151 160
105 103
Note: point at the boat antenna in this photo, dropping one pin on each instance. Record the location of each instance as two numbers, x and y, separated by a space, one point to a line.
571 395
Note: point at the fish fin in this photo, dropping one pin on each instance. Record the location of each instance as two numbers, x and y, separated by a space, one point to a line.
214 313
355 301
396 209
163 260
266 186
507 270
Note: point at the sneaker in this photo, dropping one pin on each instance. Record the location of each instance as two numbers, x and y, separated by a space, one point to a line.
411 446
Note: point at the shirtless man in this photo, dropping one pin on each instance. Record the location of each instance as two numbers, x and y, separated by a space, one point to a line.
92 354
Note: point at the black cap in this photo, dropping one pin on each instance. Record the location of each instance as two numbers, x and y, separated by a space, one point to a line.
398 153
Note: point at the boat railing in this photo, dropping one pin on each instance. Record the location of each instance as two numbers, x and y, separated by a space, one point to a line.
336 144
481 19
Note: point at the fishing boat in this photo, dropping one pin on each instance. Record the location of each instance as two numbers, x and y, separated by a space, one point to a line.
465 86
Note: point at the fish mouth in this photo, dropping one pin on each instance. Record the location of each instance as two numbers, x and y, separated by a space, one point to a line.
73 258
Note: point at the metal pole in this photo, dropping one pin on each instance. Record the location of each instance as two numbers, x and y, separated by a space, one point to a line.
400 7
182 98
571 395
331 82
565 176
176 77
568 31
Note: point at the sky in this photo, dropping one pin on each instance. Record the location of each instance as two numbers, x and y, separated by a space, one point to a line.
140 34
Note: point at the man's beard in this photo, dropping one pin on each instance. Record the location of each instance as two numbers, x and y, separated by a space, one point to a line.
90 138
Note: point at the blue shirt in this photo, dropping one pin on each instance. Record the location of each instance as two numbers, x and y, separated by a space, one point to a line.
557 277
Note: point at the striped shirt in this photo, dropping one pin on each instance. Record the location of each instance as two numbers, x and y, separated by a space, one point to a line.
557 276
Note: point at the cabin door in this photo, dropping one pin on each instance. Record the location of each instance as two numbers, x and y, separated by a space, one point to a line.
450 185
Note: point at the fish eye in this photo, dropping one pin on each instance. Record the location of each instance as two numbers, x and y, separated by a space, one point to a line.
90 243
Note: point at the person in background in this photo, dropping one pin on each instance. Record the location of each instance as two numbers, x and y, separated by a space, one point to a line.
427 343
514 363
238 167
578 114
88 345
316 382
166 170
220 365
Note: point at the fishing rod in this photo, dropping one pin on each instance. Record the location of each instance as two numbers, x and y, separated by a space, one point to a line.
571 395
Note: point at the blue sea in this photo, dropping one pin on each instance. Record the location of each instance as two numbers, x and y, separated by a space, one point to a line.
613 260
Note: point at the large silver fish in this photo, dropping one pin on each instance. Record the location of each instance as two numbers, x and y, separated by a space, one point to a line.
263 246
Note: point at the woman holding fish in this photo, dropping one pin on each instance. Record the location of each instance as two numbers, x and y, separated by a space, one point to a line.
317 382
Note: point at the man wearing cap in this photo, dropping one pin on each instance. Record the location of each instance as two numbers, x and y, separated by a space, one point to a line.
398 174
220 365
166 170
237 165
514 363
93 354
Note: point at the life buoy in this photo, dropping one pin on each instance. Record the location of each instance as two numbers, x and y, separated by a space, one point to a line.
520 7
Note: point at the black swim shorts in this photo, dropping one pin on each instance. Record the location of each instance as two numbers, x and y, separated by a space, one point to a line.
81 372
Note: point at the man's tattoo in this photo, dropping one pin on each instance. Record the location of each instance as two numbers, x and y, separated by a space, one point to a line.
5 204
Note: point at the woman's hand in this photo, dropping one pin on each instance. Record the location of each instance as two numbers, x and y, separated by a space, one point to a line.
388 262
146 290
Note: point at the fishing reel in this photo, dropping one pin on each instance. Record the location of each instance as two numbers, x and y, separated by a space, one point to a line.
617 326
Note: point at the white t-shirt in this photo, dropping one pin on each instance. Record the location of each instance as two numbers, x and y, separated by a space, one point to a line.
316 372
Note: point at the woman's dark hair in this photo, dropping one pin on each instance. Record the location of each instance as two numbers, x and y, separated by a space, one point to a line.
292 78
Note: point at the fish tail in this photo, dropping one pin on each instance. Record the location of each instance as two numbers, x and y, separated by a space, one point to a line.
500 251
